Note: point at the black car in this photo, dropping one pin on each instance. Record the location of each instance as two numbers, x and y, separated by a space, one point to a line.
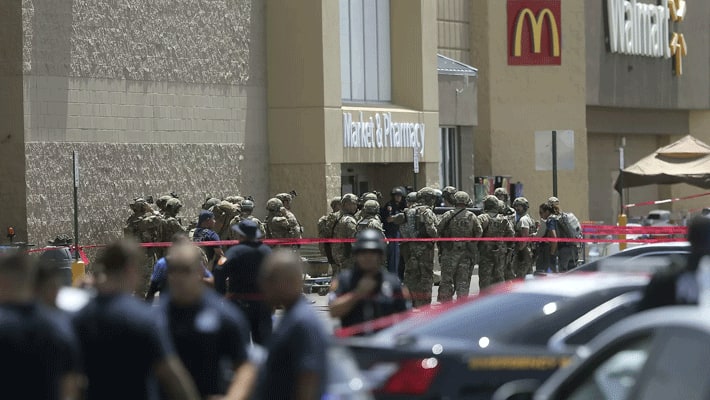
515 330
648 258
659 354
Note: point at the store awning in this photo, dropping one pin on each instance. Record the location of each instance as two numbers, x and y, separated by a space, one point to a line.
684 161
449 66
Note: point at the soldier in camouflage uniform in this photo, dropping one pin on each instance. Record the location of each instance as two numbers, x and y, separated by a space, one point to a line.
140 209
247 207
524 227
171 222
235 200
502 195
492 259
361 203
145 226
162 202
295 228
276 224
457 258
325 227
344 228
224 213
447 194
370 217
419 275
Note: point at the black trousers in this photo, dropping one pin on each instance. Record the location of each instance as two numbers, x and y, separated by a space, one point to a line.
259 316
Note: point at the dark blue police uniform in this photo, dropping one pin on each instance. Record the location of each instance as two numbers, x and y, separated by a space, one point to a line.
386 299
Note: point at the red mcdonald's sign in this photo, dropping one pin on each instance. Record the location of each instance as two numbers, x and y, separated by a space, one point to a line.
534 32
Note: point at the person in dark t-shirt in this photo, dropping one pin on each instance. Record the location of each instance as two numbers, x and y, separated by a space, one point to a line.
296 364
39 355
215 255
367 291
121 339
242 271
208 333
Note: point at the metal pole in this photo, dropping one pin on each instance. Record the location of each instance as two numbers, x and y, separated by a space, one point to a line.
75 159
554 163
621 180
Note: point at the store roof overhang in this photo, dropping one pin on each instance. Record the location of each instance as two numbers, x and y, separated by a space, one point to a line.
449 66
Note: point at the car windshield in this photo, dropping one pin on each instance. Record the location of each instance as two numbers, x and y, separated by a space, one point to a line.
489 316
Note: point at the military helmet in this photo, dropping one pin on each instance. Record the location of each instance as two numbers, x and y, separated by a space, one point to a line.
427 195
412 197
173 203
210 202
284 197
553 201
449 190
247 205
335 201
163 201
500 191
490 203
235 199
369 196
521 201
274 204
371 207
461 197
397 190
369 239
348 198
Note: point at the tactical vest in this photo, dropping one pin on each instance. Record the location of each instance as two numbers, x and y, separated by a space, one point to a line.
409 228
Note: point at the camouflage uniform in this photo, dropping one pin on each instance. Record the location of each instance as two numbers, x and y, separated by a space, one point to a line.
492 254
145 226
277 226
295 230
370 217
224 213
419 275
247 208
171 223
365 197
344 228
522 259
325 227
457 258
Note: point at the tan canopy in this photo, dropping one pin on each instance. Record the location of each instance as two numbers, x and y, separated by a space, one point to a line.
684 161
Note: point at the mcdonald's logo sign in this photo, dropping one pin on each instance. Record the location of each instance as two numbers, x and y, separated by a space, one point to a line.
534 32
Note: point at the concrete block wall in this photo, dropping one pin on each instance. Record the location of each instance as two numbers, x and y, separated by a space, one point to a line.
158 96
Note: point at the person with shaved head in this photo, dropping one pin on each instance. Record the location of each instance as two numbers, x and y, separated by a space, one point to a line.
296 363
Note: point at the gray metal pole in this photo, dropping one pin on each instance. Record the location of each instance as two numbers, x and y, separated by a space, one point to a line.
554 163
75 164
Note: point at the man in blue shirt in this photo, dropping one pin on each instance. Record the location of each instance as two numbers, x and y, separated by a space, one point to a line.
39 354
242 273
296 363
211 336
159 278
204 233
120 339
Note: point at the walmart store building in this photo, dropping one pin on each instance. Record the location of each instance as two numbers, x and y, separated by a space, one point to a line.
328 96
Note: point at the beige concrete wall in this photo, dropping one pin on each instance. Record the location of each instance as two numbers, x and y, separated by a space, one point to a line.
699 123
516 101
12 151
453 25
457 100
178 86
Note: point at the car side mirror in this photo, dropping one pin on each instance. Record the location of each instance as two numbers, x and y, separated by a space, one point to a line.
522 389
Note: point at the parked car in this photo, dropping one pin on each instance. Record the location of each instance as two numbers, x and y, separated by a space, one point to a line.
648 257
515 330
658 354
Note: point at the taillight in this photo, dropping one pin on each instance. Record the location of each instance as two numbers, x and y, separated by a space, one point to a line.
412 377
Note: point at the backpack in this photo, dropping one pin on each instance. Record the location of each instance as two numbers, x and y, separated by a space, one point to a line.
409 228
569 226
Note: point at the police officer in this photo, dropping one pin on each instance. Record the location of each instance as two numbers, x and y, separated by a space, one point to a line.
387 213
457 258
524 227
492 254
367 291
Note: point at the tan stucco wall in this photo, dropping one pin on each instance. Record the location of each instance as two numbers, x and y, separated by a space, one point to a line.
453 24
516 101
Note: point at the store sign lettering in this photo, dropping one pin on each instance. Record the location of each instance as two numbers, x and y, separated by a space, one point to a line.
381 131
642 29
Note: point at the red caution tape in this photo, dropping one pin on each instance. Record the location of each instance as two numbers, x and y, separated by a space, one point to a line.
654 202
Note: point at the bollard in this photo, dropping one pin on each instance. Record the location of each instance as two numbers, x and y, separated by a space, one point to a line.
78 272
621 221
